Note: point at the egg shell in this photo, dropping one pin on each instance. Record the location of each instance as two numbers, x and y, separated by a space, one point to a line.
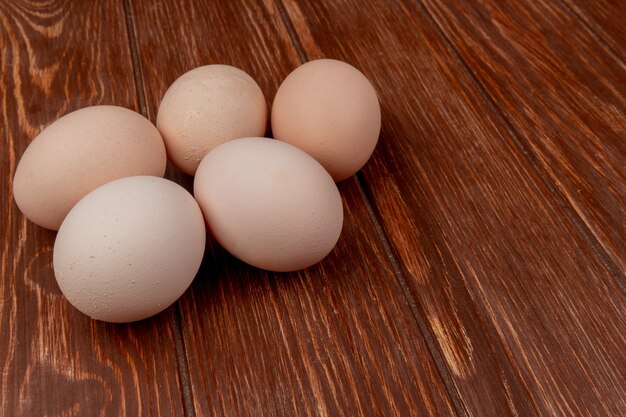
206 107
80 151
269 203
330 110
129 248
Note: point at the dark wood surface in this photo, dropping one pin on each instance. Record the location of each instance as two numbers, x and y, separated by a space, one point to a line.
561 92
481 267
604 18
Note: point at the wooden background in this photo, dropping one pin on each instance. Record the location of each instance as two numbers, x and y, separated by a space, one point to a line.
481 267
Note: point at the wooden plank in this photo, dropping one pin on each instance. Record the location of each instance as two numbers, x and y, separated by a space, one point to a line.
528 319
563 94
606 18
338 339
58 57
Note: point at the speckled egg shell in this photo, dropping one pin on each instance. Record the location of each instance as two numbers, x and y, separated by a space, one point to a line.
129 248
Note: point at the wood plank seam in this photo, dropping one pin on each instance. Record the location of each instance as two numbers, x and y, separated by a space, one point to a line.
425 329
556 193
183 367
295 40
137 70
592 29
435 353
181 354
429 337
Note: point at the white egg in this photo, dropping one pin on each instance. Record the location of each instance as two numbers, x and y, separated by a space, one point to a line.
269 203
129 248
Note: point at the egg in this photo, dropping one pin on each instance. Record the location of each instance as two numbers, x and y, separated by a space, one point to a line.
206 107
79 152
330 110
269 203
129 248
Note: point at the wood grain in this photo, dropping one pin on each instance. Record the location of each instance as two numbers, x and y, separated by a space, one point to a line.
563 94
57 57
606 18
480 265
527 317
338 339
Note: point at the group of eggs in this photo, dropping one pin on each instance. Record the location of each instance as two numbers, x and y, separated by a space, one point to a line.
130 242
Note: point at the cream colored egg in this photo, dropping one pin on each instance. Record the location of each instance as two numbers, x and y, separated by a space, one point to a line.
269 203
206 107
79 152
330 110
129 248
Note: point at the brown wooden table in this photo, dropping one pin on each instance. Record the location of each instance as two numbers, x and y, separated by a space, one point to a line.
481 267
